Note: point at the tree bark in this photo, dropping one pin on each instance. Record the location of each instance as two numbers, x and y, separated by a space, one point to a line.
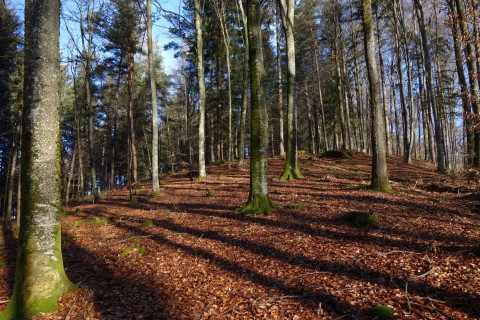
281 135
292 170
201 87
472 67
379 181
40 279
464 90
243 116
432 97
12 170
258 199
153 96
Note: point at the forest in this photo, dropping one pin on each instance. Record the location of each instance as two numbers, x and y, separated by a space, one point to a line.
295 159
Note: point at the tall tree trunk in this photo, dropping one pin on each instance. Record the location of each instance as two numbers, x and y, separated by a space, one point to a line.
13 170
201 87
258 199
467 108
243 116
292 170
153 95
432 97
281 135
383 88
220 8
87 56
40 279
379 180
71 172
472 67
315 58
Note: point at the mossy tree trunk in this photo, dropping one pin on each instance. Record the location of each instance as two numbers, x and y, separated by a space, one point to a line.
379 180
40 278
292 170
201 88
258 199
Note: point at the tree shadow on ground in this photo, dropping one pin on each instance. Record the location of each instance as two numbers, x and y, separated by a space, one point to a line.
458 300
112 288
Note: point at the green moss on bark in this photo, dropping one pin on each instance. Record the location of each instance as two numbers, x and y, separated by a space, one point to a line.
380 186
289 174
39 289
258 205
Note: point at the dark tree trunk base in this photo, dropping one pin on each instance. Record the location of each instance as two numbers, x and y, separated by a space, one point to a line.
258 205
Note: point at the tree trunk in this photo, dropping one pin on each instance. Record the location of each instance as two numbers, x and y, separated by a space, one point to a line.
243 116
70 175
292 170
432 97
40 279
472 67
258 199
220 8
153 95
281 135
467 109
87 56
13 170
379 180
201 87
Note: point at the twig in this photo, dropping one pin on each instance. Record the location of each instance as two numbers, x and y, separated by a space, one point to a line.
4 301
429 299
408 300
87 311
355 288
67 316
197 240
204 310
423 274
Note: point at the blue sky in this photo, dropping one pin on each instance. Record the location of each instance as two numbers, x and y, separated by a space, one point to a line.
160 28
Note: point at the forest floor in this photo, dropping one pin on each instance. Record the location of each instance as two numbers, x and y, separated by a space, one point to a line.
188 254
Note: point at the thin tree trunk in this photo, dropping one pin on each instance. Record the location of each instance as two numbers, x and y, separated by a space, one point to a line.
13 169
379 180
464 90
439 140
281 141
70 175
243 116
292 170
153 99
201 87
472 67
